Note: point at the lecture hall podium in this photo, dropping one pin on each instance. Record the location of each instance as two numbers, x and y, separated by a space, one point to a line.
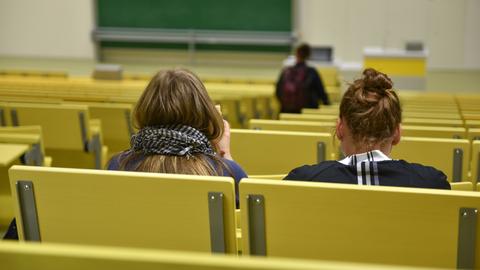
406 68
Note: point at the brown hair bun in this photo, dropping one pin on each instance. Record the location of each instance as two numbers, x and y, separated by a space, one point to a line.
374 81
371 108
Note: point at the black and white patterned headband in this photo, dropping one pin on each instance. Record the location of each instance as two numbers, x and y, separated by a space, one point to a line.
177 140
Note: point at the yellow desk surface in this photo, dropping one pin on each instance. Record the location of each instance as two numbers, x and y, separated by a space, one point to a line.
11 152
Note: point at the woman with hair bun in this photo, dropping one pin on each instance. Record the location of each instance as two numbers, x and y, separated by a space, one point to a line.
368 127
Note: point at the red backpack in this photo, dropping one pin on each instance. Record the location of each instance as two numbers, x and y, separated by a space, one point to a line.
292 97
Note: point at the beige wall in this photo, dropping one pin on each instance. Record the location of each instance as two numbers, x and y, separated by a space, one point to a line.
449 29
472 31
46 28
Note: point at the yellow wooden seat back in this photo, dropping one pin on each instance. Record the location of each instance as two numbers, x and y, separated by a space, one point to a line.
28 99
284 125
471 115
34 154
263 109
268 176
434 132
330 76
167 211
472 124
248 108
464 186
230 107
448 155
474 134
471 103
334 93
26 256
475 163
238 108
10 154
326 110
386 225
308 117
117 125
254 100
31 135
69 136
470 107
64 126
432 115
415 96
4 114
432 122
430 109
14 149
278 152
35 73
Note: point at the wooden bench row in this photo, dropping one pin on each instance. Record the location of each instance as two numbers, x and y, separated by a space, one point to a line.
411 112
458 157
240 101
73 139
26 256
71 136
16 147
339 222
416 120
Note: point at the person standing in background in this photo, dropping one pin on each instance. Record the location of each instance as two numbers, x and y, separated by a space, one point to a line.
300 86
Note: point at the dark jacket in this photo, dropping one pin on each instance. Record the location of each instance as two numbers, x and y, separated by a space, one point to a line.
398 173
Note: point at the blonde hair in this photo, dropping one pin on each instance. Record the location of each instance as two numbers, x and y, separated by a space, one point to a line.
177 97
371 108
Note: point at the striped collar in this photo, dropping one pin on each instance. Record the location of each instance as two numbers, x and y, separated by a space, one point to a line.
375 155
366 166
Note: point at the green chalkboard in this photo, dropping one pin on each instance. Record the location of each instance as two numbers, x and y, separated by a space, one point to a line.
245 15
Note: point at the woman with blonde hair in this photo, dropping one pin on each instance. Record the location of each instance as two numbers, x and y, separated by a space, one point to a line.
179 130
368 127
